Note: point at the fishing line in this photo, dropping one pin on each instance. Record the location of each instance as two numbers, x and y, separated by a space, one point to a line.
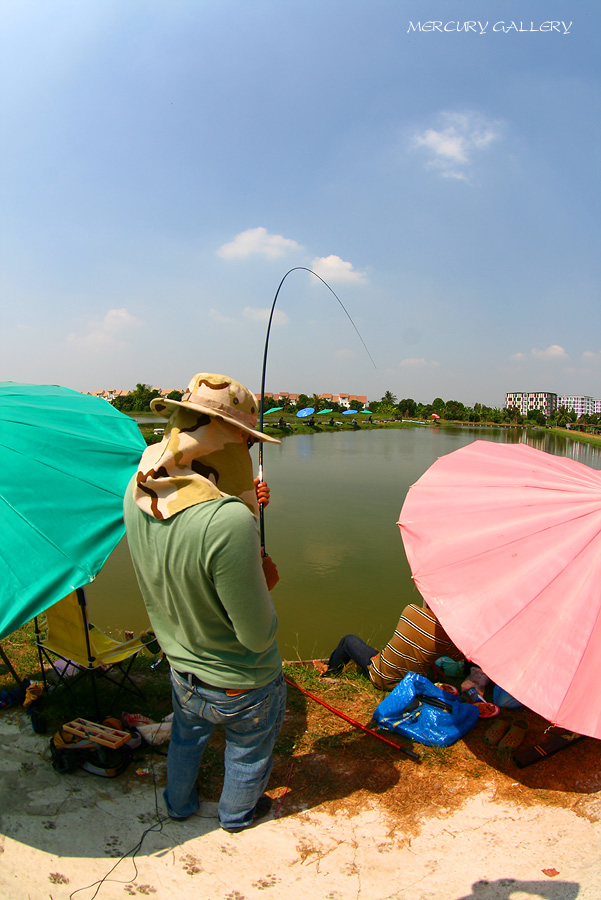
262 407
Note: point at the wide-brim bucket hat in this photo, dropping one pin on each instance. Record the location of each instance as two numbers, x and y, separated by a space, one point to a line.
219 396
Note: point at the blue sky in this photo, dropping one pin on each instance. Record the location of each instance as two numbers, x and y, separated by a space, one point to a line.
163 165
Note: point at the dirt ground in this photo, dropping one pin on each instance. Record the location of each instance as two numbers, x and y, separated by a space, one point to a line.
353 818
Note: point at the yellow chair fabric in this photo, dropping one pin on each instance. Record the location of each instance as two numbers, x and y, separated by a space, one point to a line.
64 631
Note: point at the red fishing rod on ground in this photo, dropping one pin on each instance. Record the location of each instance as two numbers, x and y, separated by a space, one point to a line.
410 753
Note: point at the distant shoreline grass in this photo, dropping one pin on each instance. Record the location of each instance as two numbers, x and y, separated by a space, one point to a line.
296 426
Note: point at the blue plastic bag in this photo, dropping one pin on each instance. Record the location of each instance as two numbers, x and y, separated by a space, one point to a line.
419 710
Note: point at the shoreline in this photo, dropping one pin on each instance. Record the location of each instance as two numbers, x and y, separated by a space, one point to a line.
295 427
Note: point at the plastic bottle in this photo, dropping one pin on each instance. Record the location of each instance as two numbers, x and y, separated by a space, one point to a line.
474 685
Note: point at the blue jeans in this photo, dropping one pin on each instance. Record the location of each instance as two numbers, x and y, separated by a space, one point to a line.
352 648
252 722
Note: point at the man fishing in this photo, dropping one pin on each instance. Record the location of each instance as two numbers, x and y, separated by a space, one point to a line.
191 519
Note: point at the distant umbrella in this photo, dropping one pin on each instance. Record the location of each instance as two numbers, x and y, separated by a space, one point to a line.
349 412
302 413
434 416
322 412
273 409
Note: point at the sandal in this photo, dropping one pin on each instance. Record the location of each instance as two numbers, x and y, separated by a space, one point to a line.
497 730
514 737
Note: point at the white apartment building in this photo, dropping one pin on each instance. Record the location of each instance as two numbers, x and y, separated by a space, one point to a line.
548 403
581 406
528 400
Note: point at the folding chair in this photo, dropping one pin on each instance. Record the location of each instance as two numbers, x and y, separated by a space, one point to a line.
64 633
9 665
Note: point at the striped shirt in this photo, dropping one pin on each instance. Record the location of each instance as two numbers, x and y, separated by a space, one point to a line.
418 640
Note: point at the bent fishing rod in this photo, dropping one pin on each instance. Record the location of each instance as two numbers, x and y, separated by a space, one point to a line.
262 406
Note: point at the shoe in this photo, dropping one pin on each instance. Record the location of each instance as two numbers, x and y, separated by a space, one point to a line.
132 720
498 730
515 736
264 804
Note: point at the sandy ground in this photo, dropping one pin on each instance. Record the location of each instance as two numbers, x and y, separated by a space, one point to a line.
63 836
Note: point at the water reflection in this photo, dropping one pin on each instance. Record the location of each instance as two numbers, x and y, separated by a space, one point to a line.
331 528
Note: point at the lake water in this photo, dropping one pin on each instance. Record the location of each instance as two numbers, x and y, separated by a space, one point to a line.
331 529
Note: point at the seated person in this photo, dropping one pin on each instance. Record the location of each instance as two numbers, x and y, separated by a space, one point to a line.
418 640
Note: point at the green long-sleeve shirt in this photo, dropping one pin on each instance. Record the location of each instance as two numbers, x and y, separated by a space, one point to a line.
202 581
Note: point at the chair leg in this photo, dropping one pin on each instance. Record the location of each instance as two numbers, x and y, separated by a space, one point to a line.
9 665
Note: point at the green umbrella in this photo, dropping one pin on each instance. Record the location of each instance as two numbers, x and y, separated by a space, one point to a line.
322 412
273 409
65 461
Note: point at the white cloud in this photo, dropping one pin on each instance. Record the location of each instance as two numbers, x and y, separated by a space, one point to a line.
107 333
262 315
591 357
454 145
344 353
418 362
413 362
554 351
332 268
218 317
257 242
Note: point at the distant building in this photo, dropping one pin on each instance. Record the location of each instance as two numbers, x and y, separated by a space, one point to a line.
526 401
344 400
579 405
548 403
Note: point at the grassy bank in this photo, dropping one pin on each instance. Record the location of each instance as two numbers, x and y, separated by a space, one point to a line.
322 760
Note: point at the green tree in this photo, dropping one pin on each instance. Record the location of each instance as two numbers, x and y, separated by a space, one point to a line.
387 406
537 416
408 408
453 410
137 400
302 402
513 415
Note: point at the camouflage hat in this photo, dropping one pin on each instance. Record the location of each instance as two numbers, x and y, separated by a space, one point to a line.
219 396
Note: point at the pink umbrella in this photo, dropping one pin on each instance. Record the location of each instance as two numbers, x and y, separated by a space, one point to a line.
504 543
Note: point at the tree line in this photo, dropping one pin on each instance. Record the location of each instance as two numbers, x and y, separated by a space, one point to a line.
389 406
